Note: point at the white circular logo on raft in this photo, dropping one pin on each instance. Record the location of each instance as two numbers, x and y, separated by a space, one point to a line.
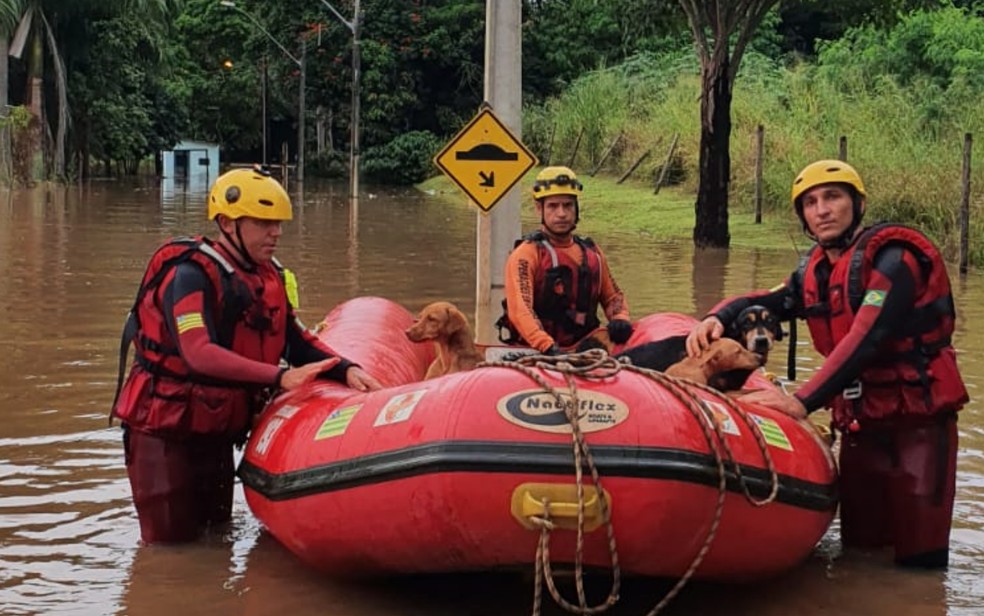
539 410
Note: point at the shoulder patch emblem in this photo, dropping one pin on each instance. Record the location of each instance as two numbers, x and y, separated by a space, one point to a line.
874 298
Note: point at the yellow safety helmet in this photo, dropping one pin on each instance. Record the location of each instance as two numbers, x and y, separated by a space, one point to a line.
556 181
249 192
826 172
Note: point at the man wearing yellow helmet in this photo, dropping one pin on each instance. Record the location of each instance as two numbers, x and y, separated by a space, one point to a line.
555 280
878 304
211 325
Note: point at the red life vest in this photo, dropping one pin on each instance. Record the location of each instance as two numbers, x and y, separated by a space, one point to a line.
161 394
566 295
916 371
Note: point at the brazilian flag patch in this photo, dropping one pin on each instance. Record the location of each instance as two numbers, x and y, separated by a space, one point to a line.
874 298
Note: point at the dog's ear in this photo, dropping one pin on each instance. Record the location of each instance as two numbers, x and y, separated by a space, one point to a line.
773 324
455 320
712 354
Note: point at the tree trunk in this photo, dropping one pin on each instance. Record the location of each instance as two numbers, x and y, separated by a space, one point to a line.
61 88
35 104
711 228
6 172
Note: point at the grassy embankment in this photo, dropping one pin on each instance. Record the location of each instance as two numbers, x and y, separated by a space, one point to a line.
906 143
631 207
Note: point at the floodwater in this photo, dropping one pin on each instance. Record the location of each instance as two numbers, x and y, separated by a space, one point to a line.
69 263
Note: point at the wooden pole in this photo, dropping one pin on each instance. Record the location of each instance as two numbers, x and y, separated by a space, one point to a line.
759 155
666 163
842 154
577 146
550 144
283 163
605 156
626 175
965 206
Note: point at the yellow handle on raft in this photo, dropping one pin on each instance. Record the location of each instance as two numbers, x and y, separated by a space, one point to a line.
533 500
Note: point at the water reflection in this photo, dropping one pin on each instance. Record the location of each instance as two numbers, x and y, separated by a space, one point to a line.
70 259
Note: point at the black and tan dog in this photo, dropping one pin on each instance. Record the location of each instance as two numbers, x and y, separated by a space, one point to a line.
755 329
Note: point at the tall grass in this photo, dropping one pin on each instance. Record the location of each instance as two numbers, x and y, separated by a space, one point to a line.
905 138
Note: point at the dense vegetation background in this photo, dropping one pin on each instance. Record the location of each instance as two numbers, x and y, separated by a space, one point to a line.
101 86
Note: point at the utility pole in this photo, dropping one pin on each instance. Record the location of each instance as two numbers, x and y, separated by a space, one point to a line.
356 80
263 81
497 230
302 112
301 65
354 27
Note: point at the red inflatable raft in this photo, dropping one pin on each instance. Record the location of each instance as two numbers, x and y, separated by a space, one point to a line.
449 474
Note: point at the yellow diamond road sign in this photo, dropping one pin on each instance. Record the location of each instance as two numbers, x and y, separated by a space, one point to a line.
485 160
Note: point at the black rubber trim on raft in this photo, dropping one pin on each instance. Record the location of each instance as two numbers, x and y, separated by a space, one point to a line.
537 458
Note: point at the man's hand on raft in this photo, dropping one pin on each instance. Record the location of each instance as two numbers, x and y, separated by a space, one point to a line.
357 378
292 378
774 399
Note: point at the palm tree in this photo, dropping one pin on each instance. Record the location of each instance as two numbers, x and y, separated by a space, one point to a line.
35 34
7 25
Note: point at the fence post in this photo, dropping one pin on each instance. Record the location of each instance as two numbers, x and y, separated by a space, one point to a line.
965 206
550 143
605 156
577 145
759 153
842 155
666 163
626 175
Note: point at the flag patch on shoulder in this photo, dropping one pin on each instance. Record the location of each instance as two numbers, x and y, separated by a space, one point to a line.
189 321
874 298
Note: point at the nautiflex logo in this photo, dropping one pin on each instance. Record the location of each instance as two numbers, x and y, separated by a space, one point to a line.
539 410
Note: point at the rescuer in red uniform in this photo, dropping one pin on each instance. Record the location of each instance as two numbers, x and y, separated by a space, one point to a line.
211 326
878 305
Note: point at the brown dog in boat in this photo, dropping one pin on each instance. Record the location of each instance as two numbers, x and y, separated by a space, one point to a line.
447 327
725 365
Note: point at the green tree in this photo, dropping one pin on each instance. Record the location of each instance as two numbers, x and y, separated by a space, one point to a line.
43 27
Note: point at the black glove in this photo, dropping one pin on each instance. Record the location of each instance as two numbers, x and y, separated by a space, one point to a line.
553 350
619 330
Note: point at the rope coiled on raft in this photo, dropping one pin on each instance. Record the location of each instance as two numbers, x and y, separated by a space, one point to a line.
596 364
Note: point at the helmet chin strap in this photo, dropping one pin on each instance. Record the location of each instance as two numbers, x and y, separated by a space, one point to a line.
239 246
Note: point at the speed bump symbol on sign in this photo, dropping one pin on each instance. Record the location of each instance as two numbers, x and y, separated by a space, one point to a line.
485 160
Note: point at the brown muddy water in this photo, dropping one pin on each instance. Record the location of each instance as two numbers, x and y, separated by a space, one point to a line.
69 263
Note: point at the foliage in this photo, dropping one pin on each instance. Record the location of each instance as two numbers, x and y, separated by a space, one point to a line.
24 128
405 160
328 164
904 127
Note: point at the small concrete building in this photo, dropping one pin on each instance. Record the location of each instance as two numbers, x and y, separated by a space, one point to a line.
193 162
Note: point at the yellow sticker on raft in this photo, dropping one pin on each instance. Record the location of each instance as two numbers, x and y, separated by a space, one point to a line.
773 432
337 422
778 287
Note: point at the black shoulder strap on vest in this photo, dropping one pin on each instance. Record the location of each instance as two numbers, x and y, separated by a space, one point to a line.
855 282
584 300
131 326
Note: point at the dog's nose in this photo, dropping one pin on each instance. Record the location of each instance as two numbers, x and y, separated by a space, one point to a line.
761 344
